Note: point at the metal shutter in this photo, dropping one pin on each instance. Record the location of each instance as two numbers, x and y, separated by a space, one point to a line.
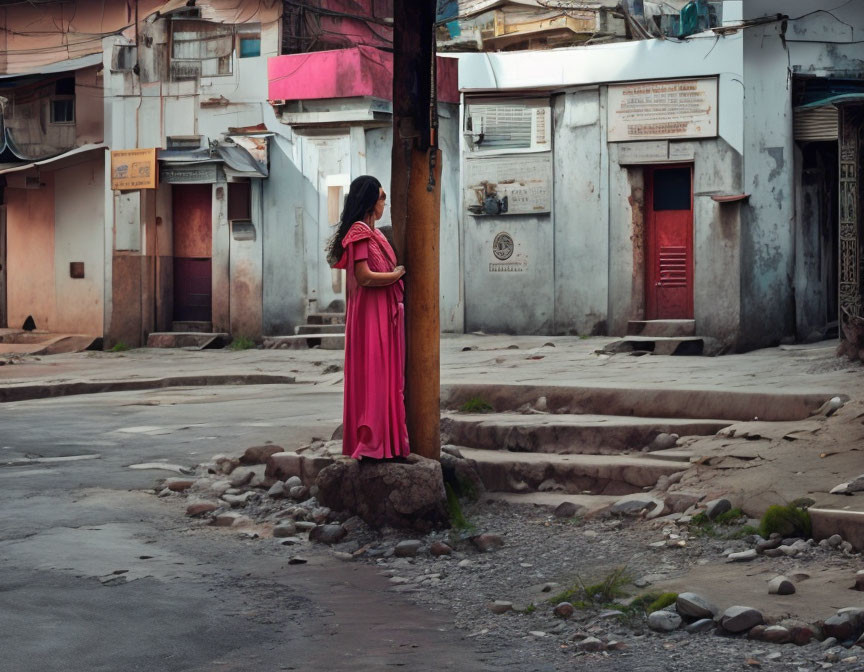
816 123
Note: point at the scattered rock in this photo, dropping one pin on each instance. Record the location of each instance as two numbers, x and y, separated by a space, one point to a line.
200 508
285 529
717 507
500 607
297 560
327 534
408 548
487 542
835 540
702 625
241 477
305 526
802 633
846 547
664 621
179 484
691 605
231 519
563 610
590 644
775 634
238 500
663 441
768 545
740 619
780 585
293 482
568 510
846 625
259 454
277 490
743 556
298 493
439 548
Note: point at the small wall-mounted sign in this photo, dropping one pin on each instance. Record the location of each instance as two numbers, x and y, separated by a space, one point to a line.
134 169
76 269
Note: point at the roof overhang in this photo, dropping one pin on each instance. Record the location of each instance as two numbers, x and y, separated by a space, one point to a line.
69 65
70 158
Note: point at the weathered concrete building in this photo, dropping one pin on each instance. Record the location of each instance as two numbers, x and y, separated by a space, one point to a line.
654 179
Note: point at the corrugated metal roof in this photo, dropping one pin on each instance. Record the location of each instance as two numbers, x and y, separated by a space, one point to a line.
60 66
14 168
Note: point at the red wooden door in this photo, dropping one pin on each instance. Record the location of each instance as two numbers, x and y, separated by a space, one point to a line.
193 251
669 238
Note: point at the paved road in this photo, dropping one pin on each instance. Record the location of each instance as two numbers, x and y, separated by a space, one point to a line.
96 575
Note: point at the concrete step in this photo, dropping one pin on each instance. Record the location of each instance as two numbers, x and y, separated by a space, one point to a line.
549 501
673 328
503 471
325 318
305 329
675 454
839 514
306 341
198 327
656 402
189 339
659 345
567 434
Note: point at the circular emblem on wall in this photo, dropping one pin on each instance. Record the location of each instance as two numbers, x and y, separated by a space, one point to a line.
502 246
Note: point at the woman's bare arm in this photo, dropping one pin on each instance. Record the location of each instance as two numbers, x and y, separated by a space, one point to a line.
369 278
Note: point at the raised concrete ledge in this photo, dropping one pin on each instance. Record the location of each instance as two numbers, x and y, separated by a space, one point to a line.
26 392
643 402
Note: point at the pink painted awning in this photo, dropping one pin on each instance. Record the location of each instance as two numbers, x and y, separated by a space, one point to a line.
347 73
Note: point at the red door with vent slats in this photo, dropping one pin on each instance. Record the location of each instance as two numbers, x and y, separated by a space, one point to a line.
193 252
669 243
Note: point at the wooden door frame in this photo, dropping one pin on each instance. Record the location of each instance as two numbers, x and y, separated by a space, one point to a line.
649 240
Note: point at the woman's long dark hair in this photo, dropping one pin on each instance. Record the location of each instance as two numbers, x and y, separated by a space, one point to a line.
361 200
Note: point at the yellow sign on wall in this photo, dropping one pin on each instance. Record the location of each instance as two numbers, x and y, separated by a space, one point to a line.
134 169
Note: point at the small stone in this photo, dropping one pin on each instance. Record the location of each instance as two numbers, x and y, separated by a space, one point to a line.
285 529
241 477
439 548
846 547
740 619
590 644
259 454
305 526
702 625
293 482
775 634
743 556
277 491
563 610
859 581
298 492
200 508
780 585
835 540
802 633
773 553
717 507
691 605
846 625
633 505
327 534
828 643
464 564
227 519
537 633
487 542
320 515
500 607
568 510
767 545
179 484
664 621
297 560
789 551
238 500
408 548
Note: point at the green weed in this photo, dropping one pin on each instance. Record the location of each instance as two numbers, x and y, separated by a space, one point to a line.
241 343
476 405
662 601
600 594
120 346
788 521
454 509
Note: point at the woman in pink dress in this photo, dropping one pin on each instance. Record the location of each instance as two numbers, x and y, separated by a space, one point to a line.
374 406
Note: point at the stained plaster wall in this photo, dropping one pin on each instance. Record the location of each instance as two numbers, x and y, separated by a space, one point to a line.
815 43
246 272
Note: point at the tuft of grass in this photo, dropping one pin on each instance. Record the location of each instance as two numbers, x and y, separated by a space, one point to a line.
454 509
120 346
600 594
662 601
719 528
788 521
729 518
476 405
530 609
241 343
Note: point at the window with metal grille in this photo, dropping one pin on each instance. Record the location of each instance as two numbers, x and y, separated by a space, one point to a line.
200 49
508 126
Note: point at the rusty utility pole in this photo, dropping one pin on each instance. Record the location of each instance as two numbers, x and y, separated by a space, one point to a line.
415 210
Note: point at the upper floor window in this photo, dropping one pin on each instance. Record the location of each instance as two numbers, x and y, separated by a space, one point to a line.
249 40
63 110
200 48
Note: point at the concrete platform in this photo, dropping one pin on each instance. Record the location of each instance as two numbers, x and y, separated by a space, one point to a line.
503 471
840 514
667 328
567 434
188 339
320 340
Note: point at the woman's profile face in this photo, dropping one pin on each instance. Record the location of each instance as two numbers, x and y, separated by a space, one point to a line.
380 204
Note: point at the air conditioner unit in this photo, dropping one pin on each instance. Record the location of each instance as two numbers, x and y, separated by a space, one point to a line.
507 127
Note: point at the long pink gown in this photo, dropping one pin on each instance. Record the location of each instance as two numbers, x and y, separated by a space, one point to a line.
374 404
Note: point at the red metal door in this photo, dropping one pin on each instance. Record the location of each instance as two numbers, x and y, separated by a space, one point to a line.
193 251
669 238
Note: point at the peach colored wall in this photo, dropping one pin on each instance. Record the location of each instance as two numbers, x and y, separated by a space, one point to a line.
89 106
30 254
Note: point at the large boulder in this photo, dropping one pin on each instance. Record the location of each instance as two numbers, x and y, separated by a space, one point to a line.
405 493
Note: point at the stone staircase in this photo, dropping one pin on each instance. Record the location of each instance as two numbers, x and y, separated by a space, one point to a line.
661 337
545 445
322 330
